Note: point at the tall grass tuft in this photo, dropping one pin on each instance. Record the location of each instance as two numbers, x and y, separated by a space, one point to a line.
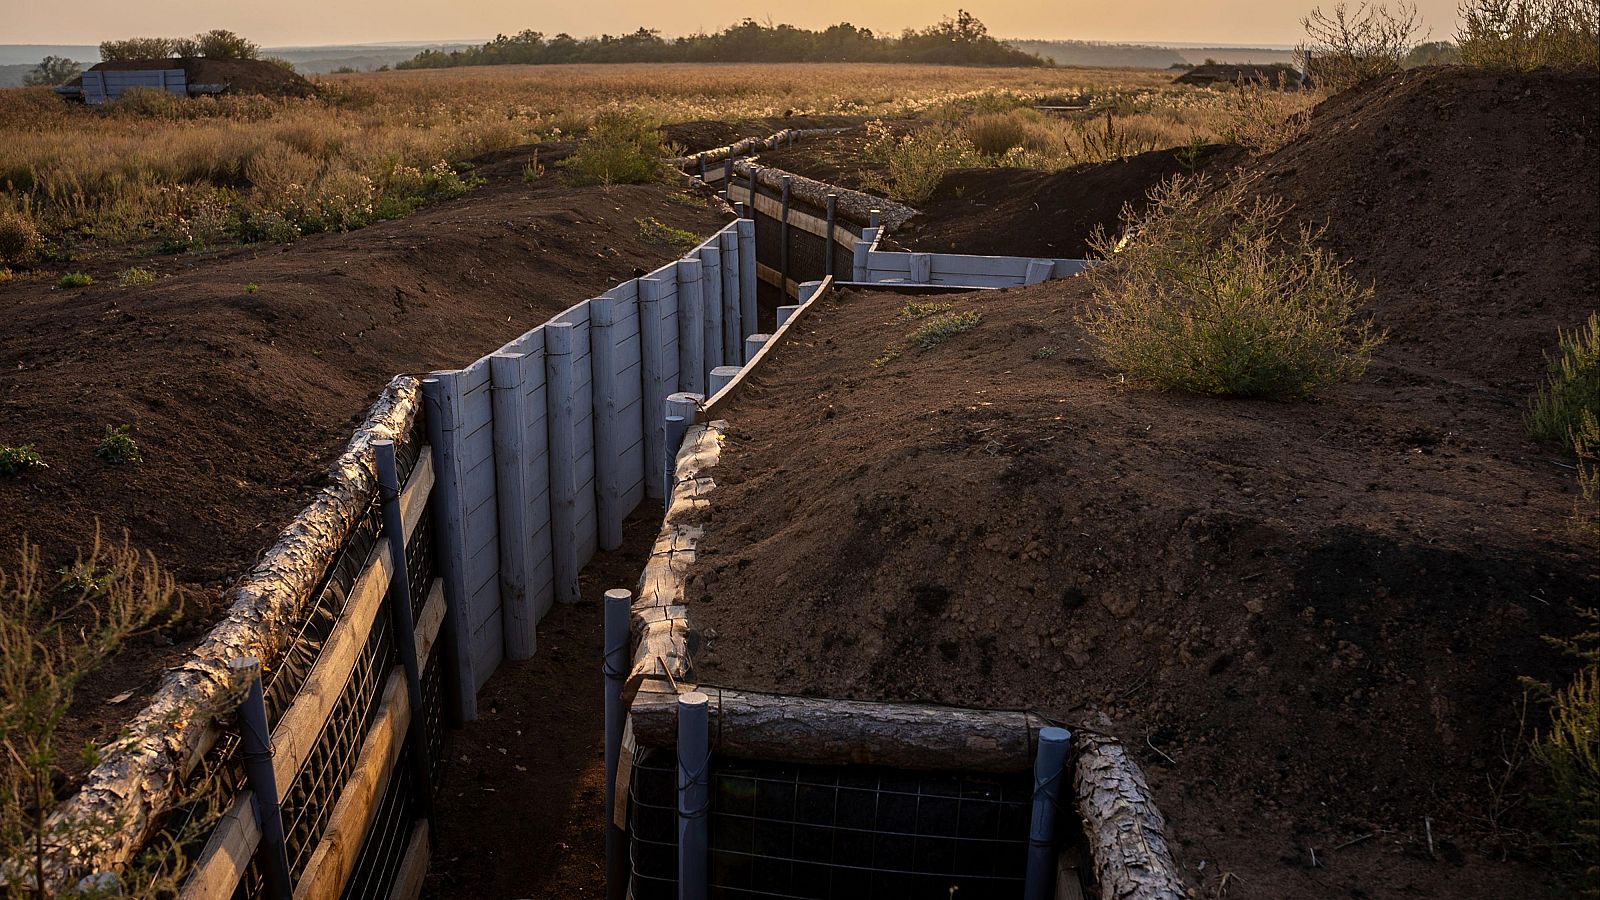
1523 35
1571 388
619 148
1207 293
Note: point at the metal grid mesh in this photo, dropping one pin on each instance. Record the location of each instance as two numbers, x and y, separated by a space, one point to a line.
835 832
378 863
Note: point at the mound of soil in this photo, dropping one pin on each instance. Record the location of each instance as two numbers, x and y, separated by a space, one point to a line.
1309 620
242 76
242 373
1022 212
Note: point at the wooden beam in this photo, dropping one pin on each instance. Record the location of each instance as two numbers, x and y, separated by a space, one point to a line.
714 405
1126 832
414 867
220 866
806 730
804 221
335 857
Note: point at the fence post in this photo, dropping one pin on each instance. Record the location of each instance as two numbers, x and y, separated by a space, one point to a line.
653 389
921 268
833 218
1048 766
255 750
728 245
607 468
711 288
808 290
874 218
783 240
441 394
404 622
676 426
785 313
691 327
702 169
748 323
753 345
727 177
617 611
720 376
859 263
694 795
1039 270
561 417
508 378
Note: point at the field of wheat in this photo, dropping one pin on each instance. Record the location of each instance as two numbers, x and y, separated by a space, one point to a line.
187 172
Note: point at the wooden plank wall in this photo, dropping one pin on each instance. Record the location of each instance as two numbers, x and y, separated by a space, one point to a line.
504 458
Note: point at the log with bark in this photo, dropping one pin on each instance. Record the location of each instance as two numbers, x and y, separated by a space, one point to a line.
142 775
855 206
1126 832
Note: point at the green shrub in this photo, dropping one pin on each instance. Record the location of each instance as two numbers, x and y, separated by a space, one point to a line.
918 161
74 280
1569 753
1572 386
654 231
133 276
921 309
996 134
1207 294
19 237
19 460
944 326
118 446
619 148
1523 35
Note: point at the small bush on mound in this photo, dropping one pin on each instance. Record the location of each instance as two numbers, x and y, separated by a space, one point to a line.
1206 294
19 237
19 460
134 276
619 148
1523 35
917 162
1349 46
74 280
1586 509
943 327
997 134
654 231
118 446
1572 387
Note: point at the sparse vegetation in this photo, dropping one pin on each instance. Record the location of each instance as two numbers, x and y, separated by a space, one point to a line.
53 634
1523 35
944 326
134 276
1571 389
19 239
619 148
19 460
1586 509
118 446
921 309
889 355
74 280
653 230
1207 294
217 43
1352 44
251 288
51 71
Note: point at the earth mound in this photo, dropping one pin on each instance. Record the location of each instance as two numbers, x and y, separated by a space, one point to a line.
1309 620
242 76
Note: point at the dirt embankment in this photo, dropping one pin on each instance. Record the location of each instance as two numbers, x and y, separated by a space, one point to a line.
243 372
241 76
1311 618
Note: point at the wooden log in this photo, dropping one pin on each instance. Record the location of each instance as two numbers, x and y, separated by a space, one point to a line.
732 337
138 776
561 417
805 730
603 365
1126 832
653 381
692 367
856 206
711 290
509 374
748 322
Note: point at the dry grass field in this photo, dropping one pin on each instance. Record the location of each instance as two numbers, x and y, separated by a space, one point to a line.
188 173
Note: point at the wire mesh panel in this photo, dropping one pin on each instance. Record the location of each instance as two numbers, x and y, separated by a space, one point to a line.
378 863
835 832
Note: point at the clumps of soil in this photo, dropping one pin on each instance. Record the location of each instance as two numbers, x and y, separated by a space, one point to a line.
1309 620
1024 212
243 371
242 76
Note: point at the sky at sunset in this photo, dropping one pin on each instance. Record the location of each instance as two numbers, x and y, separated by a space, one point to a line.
308 22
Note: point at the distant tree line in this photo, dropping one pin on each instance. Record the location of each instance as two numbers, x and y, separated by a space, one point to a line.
960 41
215 44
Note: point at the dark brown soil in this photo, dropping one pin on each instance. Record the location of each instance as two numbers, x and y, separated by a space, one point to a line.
838 159
1020 212
520 811
1308 619
242 76
243 372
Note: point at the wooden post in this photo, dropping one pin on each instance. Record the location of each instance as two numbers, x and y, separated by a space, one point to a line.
732 336
1039 270
874 219
833 218
694 795
404 623
720 376
1048 766
753 345
711 289
783 238
691 327
441 395
603 367
702 170
654 388
921 268
255 751
808 290
561 417
859 270
508 375
748 323
785 313
676 428
615 669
